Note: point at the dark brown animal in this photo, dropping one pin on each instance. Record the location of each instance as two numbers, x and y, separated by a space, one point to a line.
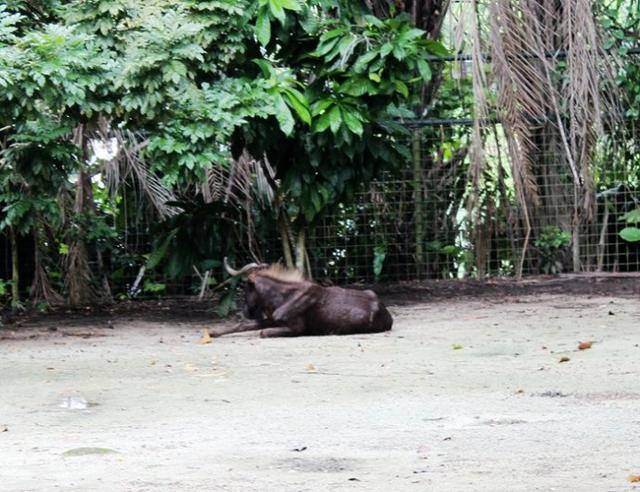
281 303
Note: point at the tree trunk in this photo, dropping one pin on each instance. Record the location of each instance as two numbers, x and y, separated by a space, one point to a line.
15 273
283 226
41 289
418 217
301 251
78 280
79 275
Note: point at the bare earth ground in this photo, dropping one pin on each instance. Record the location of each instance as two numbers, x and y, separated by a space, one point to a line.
465 393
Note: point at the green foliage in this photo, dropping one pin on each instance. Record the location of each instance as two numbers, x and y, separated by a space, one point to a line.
621 19
379 255
201 235
631 233
550 244
152 287
227 303
270 11
317 87
360 74
632 217
553 238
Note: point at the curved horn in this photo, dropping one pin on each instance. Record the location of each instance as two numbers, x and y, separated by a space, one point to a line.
244 269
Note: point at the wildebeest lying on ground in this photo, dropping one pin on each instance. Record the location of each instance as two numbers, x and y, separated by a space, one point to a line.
281 303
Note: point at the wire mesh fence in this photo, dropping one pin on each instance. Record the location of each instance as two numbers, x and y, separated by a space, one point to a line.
420 223
421 226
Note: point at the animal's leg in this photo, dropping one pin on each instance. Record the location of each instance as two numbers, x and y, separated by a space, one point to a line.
279 332
242 326
297 304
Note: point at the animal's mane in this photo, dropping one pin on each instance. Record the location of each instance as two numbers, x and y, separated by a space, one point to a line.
280 272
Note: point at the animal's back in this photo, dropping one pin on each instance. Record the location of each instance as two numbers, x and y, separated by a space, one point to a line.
345 311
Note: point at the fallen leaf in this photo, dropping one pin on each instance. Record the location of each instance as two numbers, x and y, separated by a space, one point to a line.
519 392
310 368
456 346
584 345
206 338
564 359
633 478
87 451
4 428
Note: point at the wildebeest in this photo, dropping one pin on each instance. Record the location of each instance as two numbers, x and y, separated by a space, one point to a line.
281 303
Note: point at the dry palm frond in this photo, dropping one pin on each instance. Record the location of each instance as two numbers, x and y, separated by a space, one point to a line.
245 179
128 164
538 93
476 154
590 89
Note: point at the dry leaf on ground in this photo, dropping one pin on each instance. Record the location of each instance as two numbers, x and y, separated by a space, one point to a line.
633 478
206 338
584 345
564 359
310 367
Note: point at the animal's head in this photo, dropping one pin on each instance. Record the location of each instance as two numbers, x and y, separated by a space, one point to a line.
253 308
266 287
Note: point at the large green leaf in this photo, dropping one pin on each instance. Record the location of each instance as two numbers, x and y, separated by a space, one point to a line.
323 122
353 123
299 103
263 27
364 60
276 8
401 87
265 66
356 87
436 47
424 69
284 116
335 120
291 5
326 46
630 234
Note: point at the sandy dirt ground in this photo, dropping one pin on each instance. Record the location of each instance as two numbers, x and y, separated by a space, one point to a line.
466 395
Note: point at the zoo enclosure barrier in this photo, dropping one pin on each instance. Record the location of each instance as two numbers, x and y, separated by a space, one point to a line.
415 224
418 226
